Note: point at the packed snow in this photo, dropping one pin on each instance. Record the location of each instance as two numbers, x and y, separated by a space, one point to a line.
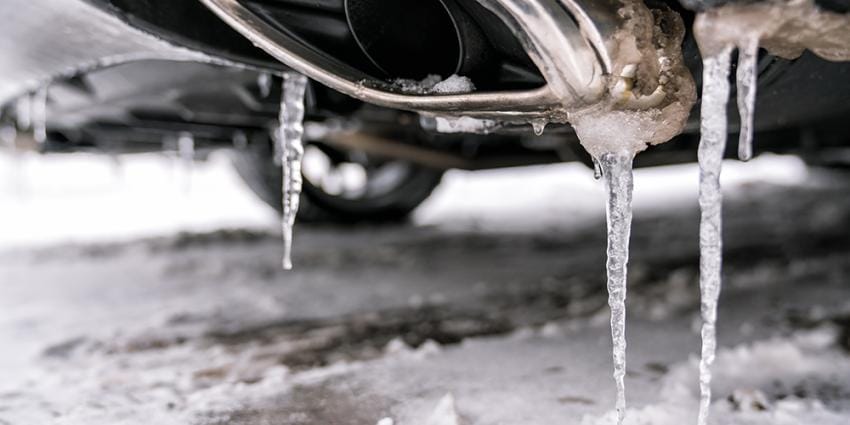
472 314
434 84
465 125
454 84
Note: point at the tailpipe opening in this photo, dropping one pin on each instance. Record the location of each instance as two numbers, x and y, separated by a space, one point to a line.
416 38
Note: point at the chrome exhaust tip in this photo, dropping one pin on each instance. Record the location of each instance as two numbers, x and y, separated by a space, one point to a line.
573 43
393 36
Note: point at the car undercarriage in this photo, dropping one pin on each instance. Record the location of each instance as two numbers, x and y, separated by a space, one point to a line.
135 76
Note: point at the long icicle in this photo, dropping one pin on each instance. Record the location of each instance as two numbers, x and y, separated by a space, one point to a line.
746 85
616 169
289 152
715 95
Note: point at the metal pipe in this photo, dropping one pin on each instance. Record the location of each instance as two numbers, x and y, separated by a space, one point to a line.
565 38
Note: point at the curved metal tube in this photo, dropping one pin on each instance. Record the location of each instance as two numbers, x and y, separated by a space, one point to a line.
561 36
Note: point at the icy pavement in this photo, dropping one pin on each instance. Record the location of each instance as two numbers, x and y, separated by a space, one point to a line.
486 310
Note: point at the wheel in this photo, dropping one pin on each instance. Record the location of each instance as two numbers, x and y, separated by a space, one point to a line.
340 185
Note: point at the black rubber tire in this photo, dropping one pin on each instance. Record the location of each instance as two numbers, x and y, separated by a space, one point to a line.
254 164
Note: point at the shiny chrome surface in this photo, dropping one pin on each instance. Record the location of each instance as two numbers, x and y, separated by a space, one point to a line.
565 38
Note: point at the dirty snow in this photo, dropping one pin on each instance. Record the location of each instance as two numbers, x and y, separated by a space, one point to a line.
473 314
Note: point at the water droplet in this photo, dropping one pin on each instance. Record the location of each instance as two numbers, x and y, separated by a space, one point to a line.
597 169
539 126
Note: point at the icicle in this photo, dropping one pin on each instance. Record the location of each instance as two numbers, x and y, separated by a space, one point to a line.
23 112
186 153
117 166
38 103
597 169
240 140
8 136
264 83
617 169
747 80
715 95
539 126
288 151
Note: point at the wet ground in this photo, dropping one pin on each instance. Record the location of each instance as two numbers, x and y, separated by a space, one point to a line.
485 312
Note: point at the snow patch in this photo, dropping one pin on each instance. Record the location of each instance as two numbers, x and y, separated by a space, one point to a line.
757 384
453 85
434 84
465 125
446 413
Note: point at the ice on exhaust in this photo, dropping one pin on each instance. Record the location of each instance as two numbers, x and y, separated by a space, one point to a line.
597 169
715 94
617 172
747 81
289 151
465 125
454 84
650 94
786 29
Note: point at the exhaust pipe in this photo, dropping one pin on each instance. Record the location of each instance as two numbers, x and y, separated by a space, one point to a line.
416 38
569 41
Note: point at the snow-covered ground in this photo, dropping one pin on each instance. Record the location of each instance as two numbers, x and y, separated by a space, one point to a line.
126 301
